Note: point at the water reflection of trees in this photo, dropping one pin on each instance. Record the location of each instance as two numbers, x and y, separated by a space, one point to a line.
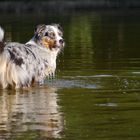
79 41
117 35
104 40
30 113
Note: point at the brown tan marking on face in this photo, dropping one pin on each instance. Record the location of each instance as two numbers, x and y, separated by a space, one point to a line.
48 43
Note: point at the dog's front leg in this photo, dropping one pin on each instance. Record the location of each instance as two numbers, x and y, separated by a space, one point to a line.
40 79
41 82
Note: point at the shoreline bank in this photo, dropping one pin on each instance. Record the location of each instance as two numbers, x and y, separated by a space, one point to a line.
43 6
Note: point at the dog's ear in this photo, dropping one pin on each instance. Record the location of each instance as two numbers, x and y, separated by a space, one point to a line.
60 27
39 30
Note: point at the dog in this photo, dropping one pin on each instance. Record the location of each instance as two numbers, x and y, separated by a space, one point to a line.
23 64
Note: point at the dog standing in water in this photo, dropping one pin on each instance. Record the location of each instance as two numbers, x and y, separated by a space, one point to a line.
23 64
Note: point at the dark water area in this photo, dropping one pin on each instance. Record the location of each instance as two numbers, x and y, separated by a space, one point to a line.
96 92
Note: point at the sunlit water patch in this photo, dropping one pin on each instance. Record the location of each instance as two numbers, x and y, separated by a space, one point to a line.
65 83
120 82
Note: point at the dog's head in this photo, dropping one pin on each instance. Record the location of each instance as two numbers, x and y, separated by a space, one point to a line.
49 36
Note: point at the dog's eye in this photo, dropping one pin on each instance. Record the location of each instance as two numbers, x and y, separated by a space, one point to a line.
50 34
46 34
60 34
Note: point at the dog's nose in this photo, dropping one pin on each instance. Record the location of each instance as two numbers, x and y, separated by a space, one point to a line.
61 41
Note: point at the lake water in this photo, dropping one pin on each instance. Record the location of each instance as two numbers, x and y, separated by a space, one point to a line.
96 92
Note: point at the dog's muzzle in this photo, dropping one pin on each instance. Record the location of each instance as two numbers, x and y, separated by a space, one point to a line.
50 43
61 43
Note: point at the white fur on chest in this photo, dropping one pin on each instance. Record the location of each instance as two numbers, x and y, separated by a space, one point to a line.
51 58
47 54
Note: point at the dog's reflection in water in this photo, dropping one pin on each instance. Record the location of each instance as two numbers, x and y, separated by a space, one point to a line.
35 112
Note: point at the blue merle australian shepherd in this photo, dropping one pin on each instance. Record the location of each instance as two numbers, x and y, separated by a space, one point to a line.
23 64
